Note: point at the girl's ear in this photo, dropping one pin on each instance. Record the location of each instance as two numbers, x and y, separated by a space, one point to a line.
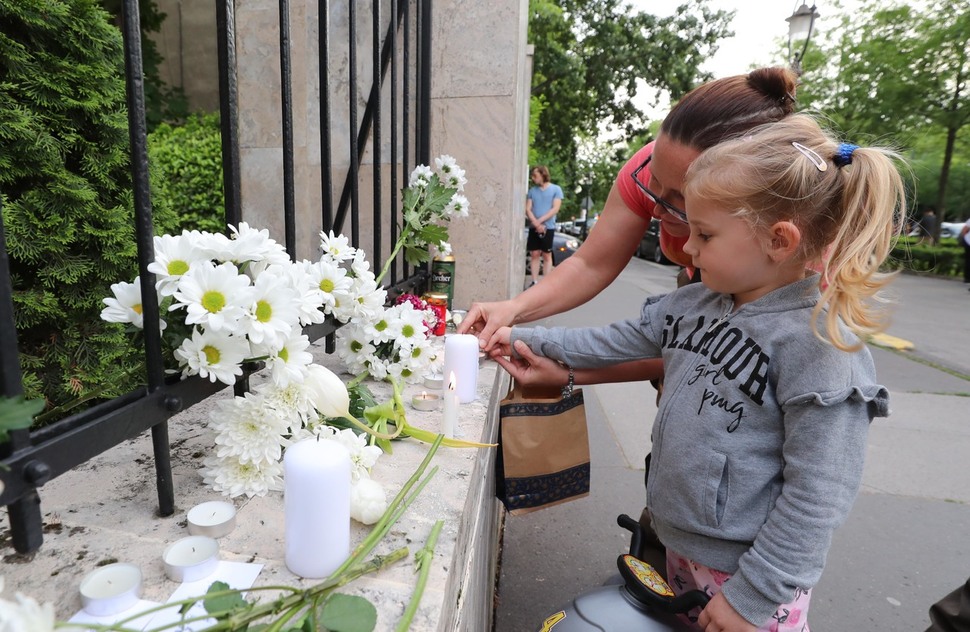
784 239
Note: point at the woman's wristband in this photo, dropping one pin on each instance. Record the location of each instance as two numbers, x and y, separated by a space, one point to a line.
567 390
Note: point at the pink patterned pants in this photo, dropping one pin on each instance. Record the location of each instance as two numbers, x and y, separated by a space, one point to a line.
684 575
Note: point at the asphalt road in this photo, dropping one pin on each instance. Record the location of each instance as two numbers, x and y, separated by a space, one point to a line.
905 543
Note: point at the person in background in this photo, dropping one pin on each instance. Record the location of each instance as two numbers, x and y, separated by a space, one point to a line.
649 185
927 226
760 437
964 239
541 205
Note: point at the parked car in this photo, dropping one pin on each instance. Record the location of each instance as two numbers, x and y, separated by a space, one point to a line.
649 247
951 229
563 247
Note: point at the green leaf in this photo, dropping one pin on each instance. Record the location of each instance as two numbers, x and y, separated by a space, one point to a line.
17 413
222 603
433 234
349 613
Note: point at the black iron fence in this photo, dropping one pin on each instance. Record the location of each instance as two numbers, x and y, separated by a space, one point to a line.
400 55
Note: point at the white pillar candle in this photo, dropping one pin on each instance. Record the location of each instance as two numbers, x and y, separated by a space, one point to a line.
191 559
110 589
461 358
450 419
316 502
215 518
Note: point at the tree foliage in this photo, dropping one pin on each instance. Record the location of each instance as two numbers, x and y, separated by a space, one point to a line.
64 191
899 72
593 56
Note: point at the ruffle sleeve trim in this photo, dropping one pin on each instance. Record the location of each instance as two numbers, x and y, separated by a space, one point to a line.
875 395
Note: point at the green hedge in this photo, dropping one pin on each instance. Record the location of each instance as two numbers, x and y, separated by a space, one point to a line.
186 175
944 259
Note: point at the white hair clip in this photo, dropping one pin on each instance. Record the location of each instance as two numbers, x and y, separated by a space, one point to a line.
812 155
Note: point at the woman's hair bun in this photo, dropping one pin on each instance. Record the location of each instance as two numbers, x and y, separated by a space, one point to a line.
777 84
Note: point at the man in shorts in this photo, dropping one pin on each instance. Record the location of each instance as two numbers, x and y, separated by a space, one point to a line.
541 205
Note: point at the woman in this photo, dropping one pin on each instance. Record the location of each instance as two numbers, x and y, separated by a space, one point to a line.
649 185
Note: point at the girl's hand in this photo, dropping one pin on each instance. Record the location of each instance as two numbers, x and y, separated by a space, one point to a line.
530 369
720 616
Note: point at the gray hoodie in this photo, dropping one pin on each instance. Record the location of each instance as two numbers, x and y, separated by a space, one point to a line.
760 436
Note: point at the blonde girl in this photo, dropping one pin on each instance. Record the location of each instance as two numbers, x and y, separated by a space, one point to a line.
760 436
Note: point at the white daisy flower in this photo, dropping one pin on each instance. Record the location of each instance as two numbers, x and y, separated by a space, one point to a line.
411 327
421 176
344 305
330 280
125 307
26 615
234 478
360 267
362 456
215 297
443 249
336 248
379 368
174 255
353 347
457 206
288 364
384 328
212 355
247 430
272 313
369 300
252 244
451 174
419 360
309 299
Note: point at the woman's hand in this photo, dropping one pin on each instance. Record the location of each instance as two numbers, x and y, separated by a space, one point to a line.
484 319
720 616
530 369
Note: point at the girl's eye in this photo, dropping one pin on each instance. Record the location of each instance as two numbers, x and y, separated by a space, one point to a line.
704 237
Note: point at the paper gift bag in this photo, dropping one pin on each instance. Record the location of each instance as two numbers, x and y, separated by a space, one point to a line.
543 456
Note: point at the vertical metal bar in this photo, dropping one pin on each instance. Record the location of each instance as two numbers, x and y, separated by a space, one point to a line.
392 37
144 233
375 104
228 107
406 101
286 83
326 157
354 167
424 124
26 523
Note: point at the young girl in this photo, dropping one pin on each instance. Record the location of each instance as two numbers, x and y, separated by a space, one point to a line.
759 440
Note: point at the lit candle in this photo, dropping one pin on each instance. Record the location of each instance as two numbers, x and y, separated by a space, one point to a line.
215 519
191 559
450 419
461 358
425 401
316 504
110 589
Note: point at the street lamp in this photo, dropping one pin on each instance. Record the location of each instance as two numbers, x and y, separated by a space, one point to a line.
800 24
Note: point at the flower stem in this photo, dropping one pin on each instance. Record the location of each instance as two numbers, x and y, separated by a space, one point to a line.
358 379
423 560
405 233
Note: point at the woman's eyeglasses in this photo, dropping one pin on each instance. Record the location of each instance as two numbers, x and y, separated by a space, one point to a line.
667 206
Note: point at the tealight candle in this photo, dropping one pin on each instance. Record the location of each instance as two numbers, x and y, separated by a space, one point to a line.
434 382
110 589
191 559
215 518
425 401
461 358
316 506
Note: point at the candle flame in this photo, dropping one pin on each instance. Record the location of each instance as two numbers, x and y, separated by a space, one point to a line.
451 381
424 395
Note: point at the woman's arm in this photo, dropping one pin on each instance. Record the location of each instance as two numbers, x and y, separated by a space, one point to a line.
574 281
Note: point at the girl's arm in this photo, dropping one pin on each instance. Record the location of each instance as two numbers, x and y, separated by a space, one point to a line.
531 369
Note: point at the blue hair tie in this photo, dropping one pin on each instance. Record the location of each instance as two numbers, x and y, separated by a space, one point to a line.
843 155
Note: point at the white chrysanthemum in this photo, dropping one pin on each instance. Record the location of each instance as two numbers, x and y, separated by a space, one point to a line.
344 305
362 456
248 431
369 300
368 501
336 248
289 362
330 280
216 246
457 206
436 362
379 368
234 478
309 301
443 249
212 355
384 328
292 402
310 431
450 174
421 176
272 313
125 307
360 268
410 327
174 255
418 361
353 347
252 244
215 297
25 615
